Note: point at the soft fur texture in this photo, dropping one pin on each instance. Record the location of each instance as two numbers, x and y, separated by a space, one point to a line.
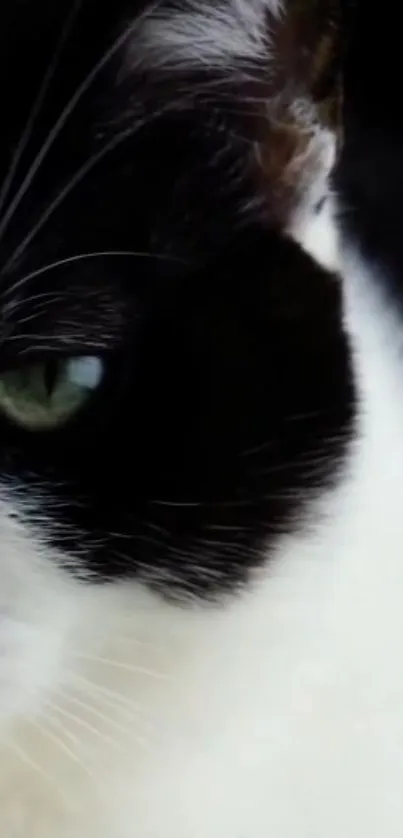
200 575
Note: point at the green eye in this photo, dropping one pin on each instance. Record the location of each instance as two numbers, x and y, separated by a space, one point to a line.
44 396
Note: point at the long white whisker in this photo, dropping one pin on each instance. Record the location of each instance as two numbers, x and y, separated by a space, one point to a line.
81 174
37 343
83 723
111 699
33 766
37 106
78 177
86 684
92 729
89 708
22 321
79 257
109 704
58 742
54 720
66 113
75 180
39 300
135 670
76 742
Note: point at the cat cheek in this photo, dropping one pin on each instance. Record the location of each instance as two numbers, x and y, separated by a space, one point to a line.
27 666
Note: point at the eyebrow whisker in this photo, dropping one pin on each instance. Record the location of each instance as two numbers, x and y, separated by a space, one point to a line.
37 106
66 113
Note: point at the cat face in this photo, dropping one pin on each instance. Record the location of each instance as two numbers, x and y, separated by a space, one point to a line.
175 382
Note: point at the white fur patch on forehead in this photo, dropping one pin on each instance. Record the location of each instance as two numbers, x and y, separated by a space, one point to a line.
206 32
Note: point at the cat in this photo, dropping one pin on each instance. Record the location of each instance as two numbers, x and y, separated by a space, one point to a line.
201 433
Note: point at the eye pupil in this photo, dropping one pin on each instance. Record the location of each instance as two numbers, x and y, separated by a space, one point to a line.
51 375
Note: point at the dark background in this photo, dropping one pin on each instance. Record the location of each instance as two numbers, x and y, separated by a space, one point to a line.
371 170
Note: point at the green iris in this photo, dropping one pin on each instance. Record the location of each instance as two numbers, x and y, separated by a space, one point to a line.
45 396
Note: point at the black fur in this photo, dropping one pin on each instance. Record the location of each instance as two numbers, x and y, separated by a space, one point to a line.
228 395
370 176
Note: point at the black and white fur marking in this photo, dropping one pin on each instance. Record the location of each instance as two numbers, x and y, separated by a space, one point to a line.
200 575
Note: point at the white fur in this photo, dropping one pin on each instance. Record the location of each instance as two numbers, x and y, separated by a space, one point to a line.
315 231
213 33
279 713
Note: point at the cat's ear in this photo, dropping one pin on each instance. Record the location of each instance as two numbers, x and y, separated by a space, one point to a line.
312 39
272 66
301 132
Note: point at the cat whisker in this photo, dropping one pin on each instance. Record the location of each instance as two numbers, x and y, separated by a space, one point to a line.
38 104
23 321
37 342
64 192
106 721
37 769
83 723
110 696
66 113
126 667
106 717
80 257
58 742
81 174
75 181
42 299
80 751
177 504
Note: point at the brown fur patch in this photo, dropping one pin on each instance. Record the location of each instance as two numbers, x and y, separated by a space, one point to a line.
308 57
